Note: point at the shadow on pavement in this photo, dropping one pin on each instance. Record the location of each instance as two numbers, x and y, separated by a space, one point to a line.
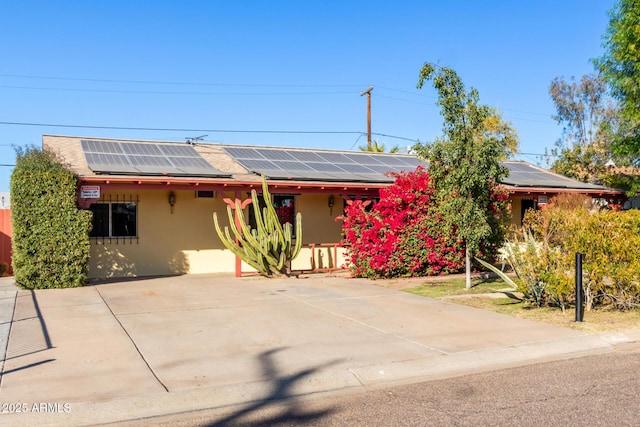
282 389
29 347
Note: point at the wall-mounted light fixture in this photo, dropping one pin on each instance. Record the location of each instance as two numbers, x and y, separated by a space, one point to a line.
331 202
172 200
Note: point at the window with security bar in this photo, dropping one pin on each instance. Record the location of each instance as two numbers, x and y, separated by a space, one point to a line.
114 220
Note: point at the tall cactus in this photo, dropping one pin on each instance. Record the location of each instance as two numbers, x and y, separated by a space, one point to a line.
269 248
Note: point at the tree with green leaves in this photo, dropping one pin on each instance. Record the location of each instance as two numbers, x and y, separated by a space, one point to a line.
494 126
589 120
619 69
619 64
465 166
50 234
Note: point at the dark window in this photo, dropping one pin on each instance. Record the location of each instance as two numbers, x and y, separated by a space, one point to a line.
526 204
205 194
114 220
100 220
285 209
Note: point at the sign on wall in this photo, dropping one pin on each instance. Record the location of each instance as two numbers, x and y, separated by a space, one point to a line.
90 192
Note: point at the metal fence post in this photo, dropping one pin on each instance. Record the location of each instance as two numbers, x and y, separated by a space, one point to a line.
579 292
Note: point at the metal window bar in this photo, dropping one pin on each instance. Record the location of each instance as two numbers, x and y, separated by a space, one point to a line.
113 221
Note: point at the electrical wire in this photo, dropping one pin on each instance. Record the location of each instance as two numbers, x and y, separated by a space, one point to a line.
180 129
301 132
156 92
151 82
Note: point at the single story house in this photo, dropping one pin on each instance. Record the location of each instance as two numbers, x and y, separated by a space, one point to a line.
153 201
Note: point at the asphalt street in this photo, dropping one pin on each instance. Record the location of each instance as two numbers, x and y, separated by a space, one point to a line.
596 390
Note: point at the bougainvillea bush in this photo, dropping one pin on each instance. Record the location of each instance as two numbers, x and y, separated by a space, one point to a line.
399 235
403 235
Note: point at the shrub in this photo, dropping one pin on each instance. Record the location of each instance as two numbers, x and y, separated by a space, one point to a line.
401 234
50 234
610 242
535 264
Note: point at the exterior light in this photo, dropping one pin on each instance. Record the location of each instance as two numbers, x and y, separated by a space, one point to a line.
172 200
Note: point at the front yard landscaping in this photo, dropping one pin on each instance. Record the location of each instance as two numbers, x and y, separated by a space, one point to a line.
484 295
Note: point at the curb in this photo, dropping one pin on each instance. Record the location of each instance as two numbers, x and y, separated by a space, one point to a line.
356 379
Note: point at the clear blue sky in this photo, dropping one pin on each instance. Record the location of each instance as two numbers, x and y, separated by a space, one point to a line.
282 66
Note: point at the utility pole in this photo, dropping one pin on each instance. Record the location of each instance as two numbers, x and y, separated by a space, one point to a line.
368 93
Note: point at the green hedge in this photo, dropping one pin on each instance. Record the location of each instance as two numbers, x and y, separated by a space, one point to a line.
50 234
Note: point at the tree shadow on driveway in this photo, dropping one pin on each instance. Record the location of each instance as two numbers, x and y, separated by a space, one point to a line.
36 340
280 394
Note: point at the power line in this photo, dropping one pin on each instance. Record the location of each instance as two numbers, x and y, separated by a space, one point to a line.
179 129
157 92
265 131
151 82
238 85
395 137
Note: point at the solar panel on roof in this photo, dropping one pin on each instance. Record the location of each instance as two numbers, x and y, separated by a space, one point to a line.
325 167
134 158
275 155
384 169
149 161
243 153
321 165
336 158
357 169
371 159
259 165
306 156
294 166
179 150
100 147
141 149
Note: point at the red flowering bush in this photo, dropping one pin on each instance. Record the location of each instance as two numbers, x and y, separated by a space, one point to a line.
403 235
399 235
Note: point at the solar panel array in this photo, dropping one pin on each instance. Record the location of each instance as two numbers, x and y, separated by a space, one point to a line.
130 158
136 158
526 175
280 163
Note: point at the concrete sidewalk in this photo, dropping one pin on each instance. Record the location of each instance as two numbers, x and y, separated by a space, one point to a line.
147 348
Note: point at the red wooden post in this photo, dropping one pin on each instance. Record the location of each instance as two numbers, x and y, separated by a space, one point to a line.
243 204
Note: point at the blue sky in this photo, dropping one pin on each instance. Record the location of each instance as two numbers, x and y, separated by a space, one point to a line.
248 66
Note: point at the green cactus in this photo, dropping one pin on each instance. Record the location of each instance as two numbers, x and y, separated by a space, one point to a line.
269 248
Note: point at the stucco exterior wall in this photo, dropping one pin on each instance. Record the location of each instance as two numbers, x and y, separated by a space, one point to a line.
181 242
185 241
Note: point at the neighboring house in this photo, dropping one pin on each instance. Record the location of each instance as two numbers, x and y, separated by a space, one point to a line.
6 232
153 201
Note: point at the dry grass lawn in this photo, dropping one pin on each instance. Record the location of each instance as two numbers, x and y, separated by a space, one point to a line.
485 295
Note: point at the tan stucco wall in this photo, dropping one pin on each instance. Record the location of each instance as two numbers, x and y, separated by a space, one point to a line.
318 220
182 242
185 241
516 209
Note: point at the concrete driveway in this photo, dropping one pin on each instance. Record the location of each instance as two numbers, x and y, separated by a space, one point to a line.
146 348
